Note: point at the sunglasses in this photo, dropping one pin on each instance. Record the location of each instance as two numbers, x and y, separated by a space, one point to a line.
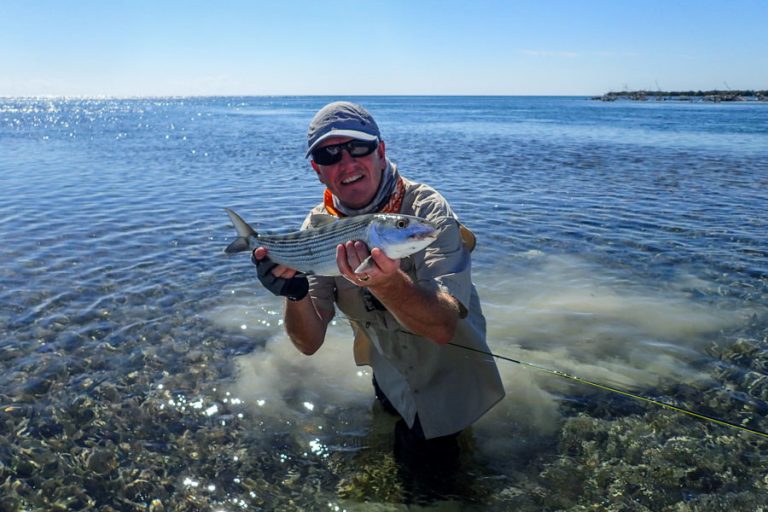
330 155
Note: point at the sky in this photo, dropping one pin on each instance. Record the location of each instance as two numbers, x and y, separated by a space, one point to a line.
130 48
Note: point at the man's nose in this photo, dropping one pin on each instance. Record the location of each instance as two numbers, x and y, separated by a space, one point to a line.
346 158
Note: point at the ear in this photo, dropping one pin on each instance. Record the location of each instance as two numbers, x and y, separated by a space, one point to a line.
381 154
317 170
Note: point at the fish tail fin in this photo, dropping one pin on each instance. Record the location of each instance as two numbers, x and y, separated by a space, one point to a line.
243 229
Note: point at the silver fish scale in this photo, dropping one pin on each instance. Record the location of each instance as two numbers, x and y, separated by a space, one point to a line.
313 250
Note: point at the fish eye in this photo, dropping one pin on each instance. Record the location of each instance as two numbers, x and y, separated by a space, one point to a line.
401 223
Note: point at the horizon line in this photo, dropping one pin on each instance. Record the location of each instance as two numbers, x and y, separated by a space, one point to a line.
180 96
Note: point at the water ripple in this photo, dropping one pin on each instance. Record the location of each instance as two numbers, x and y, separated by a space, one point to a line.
625 243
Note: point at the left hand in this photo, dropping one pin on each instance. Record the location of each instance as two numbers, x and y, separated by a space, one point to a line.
350 255
279 279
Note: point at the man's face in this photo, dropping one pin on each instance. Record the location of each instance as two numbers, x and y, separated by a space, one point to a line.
354 181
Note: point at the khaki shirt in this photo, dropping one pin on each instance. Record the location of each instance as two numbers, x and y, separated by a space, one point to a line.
448 387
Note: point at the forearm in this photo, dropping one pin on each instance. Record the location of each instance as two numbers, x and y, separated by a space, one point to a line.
305 326
425 313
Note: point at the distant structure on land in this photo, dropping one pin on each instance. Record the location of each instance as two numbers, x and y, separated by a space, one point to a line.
715 96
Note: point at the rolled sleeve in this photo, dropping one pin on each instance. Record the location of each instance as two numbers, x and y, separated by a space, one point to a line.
445 264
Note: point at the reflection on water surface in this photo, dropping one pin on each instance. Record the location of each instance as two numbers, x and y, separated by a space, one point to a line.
144 370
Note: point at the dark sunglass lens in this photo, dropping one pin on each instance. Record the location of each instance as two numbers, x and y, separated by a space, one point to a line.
359 148
328 155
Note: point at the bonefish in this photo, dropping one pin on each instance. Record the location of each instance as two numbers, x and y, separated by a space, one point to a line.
312 251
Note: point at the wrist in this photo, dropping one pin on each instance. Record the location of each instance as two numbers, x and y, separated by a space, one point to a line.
394 285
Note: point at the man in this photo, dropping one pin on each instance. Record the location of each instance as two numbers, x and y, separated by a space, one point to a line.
404 313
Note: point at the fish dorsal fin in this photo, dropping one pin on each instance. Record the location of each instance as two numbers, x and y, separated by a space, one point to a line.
321 219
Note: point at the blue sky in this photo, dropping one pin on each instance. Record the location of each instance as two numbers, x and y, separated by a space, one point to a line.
337 47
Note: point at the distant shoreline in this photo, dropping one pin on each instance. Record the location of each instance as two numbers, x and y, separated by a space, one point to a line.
715 96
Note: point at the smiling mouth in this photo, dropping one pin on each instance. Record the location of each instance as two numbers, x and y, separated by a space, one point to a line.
352 179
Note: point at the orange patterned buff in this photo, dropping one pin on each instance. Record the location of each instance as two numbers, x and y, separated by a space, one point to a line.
392 206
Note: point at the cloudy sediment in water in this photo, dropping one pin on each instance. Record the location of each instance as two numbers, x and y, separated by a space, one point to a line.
557 312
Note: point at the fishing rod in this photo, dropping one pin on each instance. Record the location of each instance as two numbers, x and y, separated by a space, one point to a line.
612 389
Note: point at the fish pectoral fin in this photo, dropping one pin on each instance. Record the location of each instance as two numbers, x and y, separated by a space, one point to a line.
239 245
367 265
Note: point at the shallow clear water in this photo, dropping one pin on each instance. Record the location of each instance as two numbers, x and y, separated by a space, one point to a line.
622 242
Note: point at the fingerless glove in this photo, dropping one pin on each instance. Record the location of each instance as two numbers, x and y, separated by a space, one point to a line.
294 289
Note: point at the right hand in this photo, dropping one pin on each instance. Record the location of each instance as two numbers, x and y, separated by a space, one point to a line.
279 279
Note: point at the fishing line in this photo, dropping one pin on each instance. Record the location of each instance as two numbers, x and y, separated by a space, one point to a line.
612 389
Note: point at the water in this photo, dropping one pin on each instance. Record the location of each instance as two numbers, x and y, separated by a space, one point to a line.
620 242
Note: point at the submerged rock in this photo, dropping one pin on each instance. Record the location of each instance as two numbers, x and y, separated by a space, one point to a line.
101 461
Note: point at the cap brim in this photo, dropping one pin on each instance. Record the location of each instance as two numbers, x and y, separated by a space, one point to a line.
353 134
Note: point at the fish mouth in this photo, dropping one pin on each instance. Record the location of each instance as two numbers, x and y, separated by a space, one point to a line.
424 235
